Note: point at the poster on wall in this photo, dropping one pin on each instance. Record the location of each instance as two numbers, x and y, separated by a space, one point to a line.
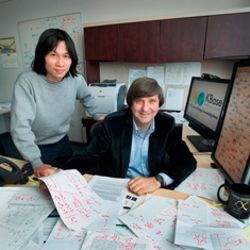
29 32
8 52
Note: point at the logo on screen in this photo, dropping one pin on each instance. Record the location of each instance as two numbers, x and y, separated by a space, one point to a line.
199 98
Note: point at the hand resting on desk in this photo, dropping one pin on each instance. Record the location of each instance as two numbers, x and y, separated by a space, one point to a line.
143 185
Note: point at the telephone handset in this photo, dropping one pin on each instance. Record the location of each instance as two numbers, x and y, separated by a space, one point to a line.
10 173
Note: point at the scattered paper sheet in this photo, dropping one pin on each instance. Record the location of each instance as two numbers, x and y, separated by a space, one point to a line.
204 226
100 241
104 187
202 182
43 232
25 212
64 239
6 194
77 205
154 220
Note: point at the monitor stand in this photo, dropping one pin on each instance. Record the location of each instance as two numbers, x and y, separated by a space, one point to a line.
201 144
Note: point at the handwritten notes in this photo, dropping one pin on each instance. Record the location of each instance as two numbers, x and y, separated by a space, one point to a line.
76 203
25 212
30 31
204 226
96 240
202 182
157 224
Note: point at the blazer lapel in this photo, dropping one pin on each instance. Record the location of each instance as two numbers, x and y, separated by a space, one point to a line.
126 142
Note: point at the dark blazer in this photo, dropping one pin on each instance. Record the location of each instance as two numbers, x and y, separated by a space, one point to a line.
167 152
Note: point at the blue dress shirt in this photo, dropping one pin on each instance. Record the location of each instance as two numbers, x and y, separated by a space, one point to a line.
138 163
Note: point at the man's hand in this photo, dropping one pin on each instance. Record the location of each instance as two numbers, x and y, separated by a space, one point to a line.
44 170
143 185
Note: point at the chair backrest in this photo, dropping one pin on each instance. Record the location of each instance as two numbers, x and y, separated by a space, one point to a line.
95 127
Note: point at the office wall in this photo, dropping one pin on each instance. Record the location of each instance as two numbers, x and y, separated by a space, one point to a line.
120 72
96 12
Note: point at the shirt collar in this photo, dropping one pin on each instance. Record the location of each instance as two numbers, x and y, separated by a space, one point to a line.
150 130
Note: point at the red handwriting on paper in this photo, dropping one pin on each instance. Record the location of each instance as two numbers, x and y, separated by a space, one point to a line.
220 214
200 239
195 221
25 197
222 223
80 208
129 244
235 240
62 204
136 227
149 225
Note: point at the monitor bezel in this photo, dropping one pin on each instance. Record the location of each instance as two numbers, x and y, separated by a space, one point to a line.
217 163
196 125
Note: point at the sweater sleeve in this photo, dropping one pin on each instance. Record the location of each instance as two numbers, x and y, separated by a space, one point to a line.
85 97
22 115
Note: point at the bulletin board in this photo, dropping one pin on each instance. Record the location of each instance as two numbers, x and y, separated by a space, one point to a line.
29 32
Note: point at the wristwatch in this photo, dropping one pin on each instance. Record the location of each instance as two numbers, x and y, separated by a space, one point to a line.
159 178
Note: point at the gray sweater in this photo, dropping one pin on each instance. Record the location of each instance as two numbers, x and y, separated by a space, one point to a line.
41 111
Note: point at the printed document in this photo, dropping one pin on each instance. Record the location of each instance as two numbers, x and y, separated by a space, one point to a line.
25 212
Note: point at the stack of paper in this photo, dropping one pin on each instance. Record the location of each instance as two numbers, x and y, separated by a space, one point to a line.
22 216
205 226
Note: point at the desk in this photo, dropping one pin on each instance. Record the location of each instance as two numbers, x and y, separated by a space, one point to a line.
204 159
160 192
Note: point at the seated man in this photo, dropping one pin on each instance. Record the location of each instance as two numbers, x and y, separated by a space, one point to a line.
141 142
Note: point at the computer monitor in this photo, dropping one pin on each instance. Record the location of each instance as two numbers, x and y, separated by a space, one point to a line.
204 109
232 147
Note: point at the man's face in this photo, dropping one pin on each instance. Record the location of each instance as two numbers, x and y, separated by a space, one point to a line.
144 110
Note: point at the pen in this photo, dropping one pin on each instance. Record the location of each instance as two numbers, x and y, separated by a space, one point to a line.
121 225
216 204
34 180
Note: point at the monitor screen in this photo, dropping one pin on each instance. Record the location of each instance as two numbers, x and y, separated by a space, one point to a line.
232 147
204 109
